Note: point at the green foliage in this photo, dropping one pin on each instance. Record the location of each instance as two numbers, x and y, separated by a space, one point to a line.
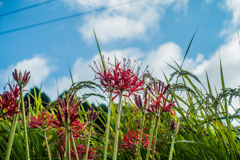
44 98
204 132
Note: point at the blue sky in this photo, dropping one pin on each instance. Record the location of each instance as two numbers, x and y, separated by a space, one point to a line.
151 31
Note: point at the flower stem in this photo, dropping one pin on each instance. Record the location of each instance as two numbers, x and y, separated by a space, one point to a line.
140 137
74 146
48 149
117 127
155 137
88 143
171 150
24 123
108 125
150 139
67 144
12 133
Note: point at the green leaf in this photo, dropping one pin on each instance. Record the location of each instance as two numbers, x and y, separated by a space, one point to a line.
103 64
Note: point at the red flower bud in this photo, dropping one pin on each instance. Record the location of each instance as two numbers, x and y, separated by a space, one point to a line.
21 80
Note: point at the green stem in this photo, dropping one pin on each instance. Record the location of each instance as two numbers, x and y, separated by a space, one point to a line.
107 129
117 127
67 144
24 123
88 142
12 133
74 146
140 137
155 137
150 139
48 149
171 150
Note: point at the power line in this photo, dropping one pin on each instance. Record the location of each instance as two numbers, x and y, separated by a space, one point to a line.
25 8
63 18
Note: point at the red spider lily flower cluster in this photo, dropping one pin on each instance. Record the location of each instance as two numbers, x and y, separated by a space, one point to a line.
106 74
128 80
78 130
157 101
81 150
68 115
44 121
21 80
91 115
157 93
168 107
156 105
9 102
116 79
69 111
131 140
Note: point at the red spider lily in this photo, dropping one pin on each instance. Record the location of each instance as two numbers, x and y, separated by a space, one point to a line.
128 81
21 80
131 140
15 90
69 111
43 121
81 150
115 79
168 107
158 101
8 101
155 104
108 76
78 130
61 135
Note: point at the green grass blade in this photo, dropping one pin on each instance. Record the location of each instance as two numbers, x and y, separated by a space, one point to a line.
189 45
103 64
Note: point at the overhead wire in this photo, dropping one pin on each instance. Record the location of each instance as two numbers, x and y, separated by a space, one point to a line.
25 8
66 17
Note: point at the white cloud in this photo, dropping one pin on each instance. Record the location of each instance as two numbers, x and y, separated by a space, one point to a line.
129 21
112 28
233 6
181 5
1 3
233 24
38 66
230 57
